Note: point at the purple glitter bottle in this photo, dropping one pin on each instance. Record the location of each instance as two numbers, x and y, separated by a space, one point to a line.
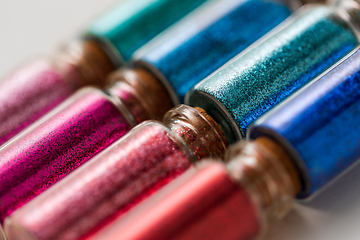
74 132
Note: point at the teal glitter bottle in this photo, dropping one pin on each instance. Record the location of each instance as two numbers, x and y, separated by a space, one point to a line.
132 24
275 67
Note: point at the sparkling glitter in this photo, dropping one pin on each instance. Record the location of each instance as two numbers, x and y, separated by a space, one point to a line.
320 125
28 94
70 135
107 186
208 38
270 72
133 23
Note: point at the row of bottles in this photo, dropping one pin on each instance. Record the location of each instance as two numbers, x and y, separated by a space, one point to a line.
121 168
280 161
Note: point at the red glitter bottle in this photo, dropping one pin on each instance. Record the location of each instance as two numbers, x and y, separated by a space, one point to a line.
38 87
114 181
74 132
217 201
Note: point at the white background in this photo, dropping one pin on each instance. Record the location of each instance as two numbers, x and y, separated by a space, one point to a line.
32 28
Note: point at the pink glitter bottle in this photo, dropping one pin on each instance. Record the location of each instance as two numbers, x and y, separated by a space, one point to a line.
120 177
35 89
74 132
217 201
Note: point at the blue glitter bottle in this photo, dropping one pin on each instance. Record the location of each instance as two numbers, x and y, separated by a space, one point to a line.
319 127
206 39
275 67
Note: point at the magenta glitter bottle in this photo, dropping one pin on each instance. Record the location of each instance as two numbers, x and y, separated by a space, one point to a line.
117 179
74 132
35 89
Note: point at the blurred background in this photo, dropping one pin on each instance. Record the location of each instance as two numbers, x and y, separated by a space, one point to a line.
30 29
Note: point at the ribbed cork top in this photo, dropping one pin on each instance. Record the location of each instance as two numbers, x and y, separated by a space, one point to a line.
89 60
265 169
201 133
283 157
214 124
141 92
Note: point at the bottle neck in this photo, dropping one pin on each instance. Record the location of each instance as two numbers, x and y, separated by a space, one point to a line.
268 172
200 132
84 62
141 92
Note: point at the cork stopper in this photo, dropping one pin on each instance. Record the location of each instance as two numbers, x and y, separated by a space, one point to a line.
141 92
86 63
214 124
284 158
268 172
201 133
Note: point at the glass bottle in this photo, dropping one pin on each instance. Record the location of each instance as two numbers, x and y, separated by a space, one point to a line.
304 47
35 89
116 180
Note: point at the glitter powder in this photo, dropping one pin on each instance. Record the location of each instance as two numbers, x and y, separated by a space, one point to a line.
277 67
131 24
320 126
204 203
70 135
44 88
112 182
208 38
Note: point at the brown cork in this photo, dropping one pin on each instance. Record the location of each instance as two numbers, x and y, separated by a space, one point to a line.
98 60
141 92
213 123
85 63
160 95
285 159
201 133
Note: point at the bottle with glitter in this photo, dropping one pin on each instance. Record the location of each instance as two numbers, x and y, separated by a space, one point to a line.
74 132
214 200
116 180
36 88
307 45
292 153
